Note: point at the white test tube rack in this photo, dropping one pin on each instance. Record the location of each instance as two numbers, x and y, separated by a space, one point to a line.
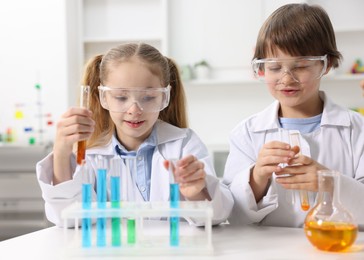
152 229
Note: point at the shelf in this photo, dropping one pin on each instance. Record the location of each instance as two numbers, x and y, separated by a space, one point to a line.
221 82
344 77
244 81
123 39
349 30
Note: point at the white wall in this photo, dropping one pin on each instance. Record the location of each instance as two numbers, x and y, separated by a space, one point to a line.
224 33
221 31
32 49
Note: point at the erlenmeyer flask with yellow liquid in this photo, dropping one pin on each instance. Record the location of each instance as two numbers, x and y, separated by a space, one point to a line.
329 226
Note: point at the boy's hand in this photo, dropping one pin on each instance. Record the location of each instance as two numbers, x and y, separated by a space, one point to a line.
303 174
270 156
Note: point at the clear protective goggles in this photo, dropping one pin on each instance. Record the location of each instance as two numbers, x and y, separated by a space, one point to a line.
148 100
302 69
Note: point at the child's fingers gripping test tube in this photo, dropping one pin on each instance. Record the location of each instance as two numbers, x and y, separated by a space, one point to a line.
295 141
84 102
115 172
284 137
174 203
86 204
101 199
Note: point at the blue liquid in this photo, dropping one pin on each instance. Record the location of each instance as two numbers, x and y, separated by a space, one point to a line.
86 196
101 232
86 222
115 203
101 188
101 204
174 195
174 221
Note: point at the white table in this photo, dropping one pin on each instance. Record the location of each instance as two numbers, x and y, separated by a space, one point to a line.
246 242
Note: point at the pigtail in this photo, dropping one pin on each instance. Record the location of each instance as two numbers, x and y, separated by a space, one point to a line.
175 113
104 126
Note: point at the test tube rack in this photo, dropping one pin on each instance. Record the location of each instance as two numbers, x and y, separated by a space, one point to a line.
152 229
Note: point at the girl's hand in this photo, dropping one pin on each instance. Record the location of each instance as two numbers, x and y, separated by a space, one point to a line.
190 175
75 125
303 174
270 156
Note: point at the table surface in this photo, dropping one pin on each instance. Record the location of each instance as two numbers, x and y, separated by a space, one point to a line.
245 242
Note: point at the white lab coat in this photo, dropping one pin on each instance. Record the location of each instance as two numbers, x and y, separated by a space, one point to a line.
172 142
338 144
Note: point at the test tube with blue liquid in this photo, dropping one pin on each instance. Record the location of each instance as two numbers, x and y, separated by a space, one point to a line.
174 203
115 170
86 204
130 223
101 200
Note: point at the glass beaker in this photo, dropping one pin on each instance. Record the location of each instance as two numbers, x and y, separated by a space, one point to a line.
329 226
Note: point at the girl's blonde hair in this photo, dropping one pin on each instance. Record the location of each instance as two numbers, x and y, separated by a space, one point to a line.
298 30
96 73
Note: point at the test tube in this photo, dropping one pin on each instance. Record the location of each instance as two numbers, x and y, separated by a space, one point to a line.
115 171
284 137
84 102
174 203
294 138
86 204
130 223
101 199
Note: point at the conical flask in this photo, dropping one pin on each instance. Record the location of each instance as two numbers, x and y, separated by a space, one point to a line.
329 226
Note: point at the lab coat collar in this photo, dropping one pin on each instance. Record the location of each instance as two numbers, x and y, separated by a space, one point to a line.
165 132
332 114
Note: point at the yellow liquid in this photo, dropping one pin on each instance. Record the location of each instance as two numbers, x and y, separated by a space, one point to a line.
331 236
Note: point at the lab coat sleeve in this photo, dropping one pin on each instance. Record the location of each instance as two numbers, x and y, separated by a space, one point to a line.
351 196
352 183
57 197
221 198
241 160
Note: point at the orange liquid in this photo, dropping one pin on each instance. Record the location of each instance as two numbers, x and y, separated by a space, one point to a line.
305 202
81 151
305 206
331 236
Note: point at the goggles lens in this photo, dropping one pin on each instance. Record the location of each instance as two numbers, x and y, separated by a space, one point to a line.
301 69
119 100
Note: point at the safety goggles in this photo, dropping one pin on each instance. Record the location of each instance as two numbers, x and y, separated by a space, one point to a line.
301 69
148 100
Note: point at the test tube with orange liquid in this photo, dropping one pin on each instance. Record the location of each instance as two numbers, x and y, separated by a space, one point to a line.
84 102
294 140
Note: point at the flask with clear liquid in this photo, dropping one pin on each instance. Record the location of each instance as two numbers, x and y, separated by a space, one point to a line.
329 226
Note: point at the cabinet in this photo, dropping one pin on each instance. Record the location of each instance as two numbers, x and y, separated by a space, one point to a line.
21 202
95 26
110 22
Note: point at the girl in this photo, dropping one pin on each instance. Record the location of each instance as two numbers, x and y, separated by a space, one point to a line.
130 114
295 48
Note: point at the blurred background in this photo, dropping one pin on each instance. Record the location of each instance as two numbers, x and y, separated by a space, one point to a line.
45 44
